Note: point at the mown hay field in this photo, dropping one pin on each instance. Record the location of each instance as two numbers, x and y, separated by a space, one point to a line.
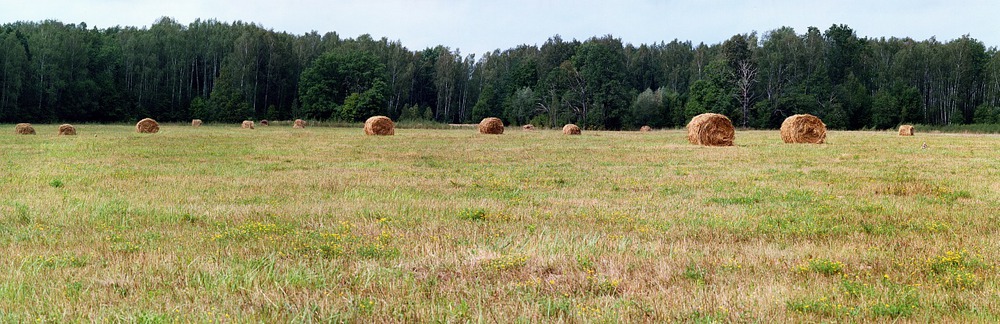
277 224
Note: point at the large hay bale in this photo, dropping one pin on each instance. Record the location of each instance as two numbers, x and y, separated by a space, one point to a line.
196 122
247 124
147 126
711 130
67 129
299 124
379 125
491 125
571 129
803 128
24 129
263 122
528 127
645 129
906 130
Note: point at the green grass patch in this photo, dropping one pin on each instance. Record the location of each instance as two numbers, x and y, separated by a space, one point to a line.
504 263
821 266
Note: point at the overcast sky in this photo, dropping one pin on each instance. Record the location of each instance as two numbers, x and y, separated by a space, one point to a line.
481 26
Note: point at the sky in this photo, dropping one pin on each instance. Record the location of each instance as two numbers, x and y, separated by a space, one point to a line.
484 25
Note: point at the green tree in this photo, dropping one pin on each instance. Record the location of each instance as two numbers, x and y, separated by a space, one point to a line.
600 64
228 102
837 117
486 106
705 96
51 71
358 106
676 59
844 52
854 99
782 69
986 114
741 74
13 62
337 75
673 106
885 110
645 70
647 109
910 105
519 108
200 109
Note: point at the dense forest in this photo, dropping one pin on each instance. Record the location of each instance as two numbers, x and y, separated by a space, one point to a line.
218 71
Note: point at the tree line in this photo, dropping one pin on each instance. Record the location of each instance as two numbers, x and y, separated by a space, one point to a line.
225 72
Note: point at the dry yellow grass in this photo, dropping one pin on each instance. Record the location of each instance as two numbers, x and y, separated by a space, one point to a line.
617 227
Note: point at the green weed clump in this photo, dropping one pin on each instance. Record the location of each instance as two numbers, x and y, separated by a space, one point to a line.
474 214
957 269
821 266
480 214
505 262
58 261
253 231
56 183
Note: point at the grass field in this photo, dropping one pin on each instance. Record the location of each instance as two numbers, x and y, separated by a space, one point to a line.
325 224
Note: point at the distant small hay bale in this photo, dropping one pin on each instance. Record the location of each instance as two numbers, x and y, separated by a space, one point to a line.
906 130
147 126
67 129
299 124
491 125
803 128
380 125
247 124
196 122
528 127
263 122
645 129
24 129
711 130
571 129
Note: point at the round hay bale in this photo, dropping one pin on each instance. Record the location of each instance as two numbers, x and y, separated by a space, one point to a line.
528 127
803 128
906 130
67 129
263 122
24 129
196 122
299 124
491 125
571 129
380 125
711 130
247 124
147 126
646 129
